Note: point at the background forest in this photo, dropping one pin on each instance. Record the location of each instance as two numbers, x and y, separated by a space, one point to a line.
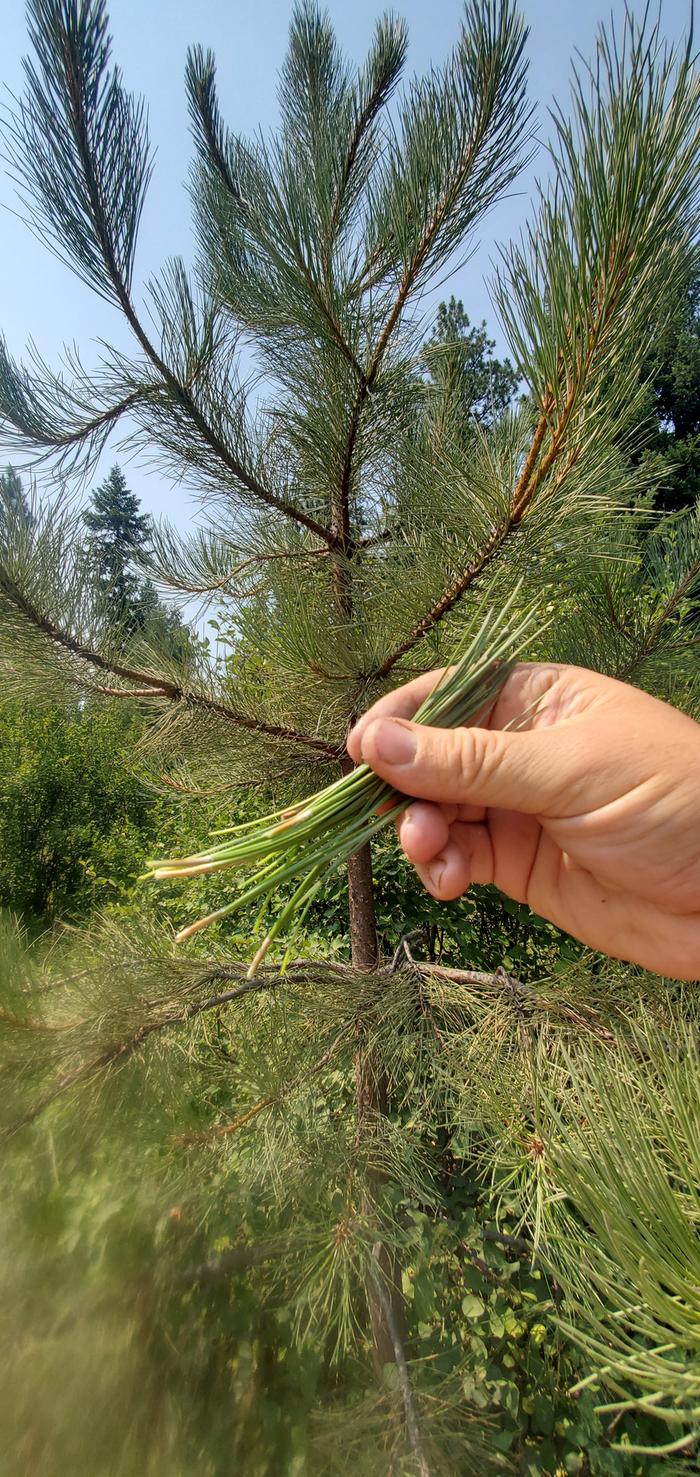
396 1211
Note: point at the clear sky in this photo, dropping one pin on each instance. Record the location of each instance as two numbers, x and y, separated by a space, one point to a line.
41 299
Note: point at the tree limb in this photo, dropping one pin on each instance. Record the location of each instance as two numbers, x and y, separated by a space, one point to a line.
238 1259
537 466
146 685
516 988
668 609
223 1130
409 1404
119 1051
74 78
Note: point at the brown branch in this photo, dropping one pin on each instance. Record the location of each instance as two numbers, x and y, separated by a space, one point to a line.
373 272
200 792
409 1404
526 486
171 381
667 610
447 600
515 992
534 470
518 1244
340 525
238 1259
221 166
500 978
301 970
105 418
156 687
215 153
422 250
238 569
222 1130
132 692
118 1052
367 115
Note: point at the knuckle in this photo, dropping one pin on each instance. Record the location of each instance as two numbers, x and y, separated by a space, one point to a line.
476 756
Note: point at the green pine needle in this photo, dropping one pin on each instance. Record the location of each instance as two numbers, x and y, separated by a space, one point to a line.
307 841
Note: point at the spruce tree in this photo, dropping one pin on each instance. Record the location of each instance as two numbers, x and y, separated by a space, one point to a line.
361 1149
12 496
117 533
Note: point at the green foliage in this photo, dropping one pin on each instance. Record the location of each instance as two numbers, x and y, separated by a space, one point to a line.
672 408
75 821
474 385
117 533
210 1284
13 496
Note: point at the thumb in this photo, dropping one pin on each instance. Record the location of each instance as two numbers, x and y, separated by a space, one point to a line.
476 766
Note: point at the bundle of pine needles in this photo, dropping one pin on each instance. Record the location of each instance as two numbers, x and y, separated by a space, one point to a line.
307 841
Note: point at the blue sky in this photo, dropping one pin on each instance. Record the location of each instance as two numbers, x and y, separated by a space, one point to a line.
41 299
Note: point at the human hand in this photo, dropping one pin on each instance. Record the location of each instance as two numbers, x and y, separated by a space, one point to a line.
590 814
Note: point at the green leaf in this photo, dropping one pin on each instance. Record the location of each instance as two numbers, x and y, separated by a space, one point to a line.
472 1306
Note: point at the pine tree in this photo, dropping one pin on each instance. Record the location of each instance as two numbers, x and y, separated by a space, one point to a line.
673 446
12 496
461 361
364 1147
118 532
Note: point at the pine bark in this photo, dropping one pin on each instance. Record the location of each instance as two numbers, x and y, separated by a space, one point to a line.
372 1103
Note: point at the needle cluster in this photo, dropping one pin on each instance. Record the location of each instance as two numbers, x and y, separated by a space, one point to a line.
309 840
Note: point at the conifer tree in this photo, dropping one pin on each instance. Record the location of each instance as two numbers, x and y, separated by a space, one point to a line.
673 446
314 1142
117 533
483 385
13 496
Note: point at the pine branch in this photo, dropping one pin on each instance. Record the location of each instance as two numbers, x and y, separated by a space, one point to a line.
238 1259
378 94
409 1404
32 408
211 137
205 115
75 54
489 64
525 995
116 1053
224 1130
539 461
206 973
668 610
156 687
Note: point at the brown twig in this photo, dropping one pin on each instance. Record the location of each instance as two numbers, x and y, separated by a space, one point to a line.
409 1404
536 468
483 978
147 686
118 1052
222 1130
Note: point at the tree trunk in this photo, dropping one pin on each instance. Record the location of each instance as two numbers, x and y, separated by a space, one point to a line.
371 1090
363 928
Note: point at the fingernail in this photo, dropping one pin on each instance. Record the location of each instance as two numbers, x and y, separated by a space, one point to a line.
393 744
